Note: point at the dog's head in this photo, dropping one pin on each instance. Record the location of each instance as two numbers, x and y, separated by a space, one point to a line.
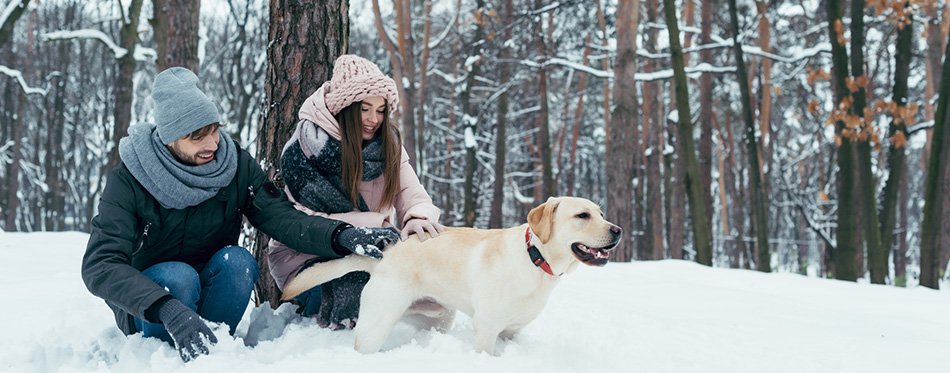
576 222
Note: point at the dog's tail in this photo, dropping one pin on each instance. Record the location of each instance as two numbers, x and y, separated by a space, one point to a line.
320 273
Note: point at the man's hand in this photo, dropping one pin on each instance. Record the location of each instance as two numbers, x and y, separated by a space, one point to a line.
420 227
192 336
366 241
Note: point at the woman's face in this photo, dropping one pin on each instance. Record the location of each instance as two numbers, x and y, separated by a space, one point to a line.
372 113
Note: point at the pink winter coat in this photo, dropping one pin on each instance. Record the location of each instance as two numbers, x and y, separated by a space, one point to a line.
412 201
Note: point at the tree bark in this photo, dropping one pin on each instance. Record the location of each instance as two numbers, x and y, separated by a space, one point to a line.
470 122
601 21
305 39
124 87
763 254
542 121
13 171
846 235
621 143
702 238
876 259
496 221
936 186
706 109
175 23
652 244
896 150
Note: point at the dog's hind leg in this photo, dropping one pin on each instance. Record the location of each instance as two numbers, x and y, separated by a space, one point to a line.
381 306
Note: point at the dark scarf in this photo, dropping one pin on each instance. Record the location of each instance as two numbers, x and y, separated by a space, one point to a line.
174 184
311 166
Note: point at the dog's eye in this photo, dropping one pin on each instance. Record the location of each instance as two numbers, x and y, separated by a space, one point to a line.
583 215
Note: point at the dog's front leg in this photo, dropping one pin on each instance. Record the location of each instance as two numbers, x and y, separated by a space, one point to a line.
486 334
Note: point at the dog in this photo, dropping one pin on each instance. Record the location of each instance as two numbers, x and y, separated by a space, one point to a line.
500 277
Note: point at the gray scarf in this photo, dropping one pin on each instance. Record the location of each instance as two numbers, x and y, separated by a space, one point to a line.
174 184
311 166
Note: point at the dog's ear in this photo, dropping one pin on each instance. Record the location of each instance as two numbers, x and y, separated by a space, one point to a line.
541 219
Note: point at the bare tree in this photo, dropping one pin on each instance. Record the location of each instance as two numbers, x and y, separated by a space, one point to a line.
702 237
763 254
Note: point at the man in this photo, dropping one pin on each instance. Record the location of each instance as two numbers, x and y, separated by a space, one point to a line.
161 252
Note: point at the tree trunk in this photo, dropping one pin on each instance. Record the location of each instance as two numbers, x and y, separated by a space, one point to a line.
702 238
406 45
675 192
421 167
305 39
876 259
542 122
470 122
606 67
13 170
900 254
896 150
55 203
846 235
936 186
760 222
621 142
6 29
706 109
175 23
496 221
651 246
124 87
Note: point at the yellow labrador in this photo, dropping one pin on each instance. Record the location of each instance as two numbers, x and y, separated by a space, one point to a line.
500 277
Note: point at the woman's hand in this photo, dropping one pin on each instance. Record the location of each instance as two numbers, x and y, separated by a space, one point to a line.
420 227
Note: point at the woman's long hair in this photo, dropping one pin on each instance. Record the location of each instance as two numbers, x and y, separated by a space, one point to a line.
351 127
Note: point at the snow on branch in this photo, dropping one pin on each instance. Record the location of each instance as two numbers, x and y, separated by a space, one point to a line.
9 10
643 77
141 53
445 33
16 74
920 126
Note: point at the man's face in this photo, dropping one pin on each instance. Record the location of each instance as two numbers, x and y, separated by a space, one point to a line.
196 149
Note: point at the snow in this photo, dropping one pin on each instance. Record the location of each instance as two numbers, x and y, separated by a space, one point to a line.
18 75
662 316
8 10
470 138
142 53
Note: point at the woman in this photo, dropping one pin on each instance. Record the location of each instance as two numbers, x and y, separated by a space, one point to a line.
345 161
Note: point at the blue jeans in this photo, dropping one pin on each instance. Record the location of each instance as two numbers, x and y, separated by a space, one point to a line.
310 301
219 293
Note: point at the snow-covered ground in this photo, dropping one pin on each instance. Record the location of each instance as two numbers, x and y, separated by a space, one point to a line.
665 316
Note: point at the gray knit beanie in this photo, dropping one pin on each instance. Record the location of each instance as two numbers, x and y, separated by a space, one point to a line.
180 107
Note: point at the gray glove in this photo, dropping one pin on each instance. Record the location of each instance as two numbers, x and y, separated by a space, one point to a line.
365 241
186 328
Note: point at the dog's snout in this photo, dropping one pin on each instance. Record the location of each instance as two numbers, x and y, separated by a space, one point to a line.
616 230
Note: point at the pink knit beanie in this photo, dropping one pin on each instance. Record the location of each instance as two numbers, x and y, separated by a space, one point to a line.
356 78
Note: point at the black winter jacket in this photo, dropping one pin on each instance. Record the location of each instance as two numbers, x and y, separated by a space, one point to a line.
133 232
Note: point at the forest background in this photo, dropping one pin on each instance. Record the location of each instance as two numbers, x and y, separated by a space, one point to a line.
817 144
